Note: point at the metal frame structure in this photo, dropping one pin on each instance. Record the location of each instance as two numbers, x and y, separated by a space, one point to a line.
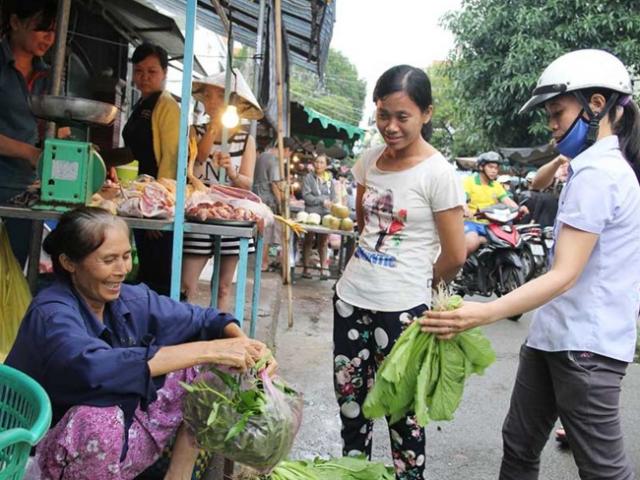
178 224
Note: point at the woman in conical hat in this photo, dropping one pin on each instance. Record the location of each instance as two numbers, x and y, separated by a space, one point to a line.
238 165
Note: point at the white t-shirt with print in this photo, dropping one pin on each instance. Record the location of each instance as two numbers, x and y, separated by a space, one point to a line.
392 267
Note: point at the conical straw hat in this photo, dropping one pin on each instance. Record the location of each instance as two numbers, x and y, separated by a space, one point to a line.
241 94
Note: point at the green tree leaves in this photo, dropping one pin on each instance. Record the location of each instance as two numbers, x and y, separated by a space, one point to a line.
340 97
501 48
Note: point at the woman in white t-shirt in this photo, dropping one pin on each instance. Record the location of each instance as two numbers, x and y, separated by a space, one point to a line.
409 210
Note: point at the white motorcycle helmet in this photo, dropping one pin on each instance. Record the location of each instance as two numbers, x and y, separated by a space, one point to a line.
574 73
580 70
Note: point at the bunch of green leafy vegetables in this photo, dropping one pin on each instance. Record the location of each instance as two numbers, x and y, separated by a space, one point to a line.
425 375
247 417
344 468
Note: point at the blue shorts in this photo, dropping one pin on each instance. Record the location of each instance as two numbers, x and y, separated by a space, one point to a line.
479 228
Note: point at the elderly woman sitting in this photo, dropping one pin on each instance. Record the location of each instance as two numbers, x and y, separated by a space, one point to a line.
111 356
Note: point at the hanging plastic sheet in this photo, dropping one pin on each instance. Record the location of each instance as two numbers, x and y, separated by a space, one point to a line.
14 294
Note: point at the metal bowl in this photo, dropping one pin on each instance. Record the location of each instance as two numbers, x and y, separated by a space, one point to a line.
72 110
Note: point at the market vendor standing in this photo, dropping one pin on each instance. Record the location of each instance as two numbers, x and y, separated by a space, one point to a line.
409 208
152 134
27 34
238 166
111 356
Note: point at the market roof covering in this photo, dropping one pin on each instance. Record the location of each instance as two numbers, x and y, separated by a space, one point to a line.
531 157
309 25
307 121
139 21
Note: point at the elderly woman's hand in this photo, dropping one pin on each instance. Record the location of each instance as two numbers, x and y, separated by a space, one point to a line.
271 366
237 352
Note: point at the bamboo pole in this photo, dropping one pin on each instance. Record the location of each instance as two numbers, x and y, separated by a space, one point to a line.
59 55
286 268
257 63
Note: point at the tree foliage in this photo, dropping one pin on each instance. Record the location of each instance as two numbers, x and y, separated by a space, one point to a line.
340 96
444 112
501 48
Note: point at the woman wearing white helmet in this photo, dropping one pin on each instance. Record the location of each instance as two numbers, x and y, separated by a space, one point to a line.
583 332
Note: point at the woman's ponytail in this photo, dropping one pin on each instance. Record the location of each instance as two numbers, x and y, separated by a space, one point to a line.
628 131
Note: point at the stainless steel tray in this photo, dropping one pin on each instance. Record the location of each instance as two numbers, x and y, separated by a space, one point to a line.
72 110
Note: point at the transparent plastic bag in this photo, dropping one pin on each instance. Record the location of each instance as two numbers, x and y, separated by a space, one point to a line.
215 409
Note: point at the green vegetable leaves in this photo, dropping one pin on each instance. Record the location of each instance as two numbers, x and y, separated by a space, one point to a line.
251 419
344 468
425 375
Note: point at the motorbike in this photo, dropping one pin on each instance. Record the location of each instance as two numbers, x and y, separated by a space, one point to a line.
534 252
497 266
538 243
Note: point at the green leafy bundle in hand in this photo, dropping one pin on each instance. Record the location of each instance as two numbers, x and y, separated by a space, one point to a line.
425 375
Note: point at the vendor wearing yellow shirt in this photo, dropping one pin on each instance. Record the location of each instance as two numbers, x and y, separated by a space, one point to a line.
482 191
152 134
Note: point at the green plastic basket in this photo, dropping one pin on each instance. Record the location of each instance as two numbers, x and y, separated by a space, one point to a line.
25 416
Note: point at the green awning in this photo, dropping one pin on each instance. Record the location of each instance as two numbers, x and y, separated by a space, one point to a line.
353 132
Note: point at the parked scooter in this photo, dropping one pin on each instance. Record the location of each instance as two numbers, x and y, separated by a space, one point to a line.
496 267
536 251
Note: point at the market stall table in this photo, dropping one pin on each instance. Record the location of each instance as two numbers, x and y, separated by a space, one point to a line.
347 244
244 233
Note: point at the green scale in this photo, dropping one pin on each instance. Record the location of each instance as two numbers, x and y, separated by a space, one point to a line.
70 171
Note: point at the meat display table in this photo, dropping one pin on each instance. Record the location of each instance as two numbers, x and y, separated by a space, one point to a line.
243 233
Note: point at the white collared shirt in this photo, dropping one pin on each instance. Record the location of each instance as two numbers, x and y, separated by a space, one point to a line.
599 313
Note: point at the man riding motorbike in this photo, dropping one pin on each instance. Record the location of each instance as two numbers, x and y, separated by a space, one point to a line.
482 191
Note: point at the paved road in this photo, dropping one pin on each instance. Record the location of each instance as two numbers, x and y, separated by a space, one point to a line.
468 447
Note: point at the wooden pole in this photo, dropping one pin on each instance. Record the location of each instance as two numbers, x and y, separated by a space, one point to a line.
284 173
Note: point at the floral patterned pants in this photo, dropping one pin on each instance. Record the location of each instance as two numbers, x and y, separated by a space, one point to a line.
87 442
362 338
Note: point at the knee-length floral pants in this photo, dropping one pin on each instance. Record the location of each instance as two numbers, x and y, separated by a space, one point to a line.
362 338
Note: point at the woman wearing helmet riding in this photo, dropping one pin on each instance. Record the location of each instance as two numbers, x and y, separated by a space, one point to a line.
583 332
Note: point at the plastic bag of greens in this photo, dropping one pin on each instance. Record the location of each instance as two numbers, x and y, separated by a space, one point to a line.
249 418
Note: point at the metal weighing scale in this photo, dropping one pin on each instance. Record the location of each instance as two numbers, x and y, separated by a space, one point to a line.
70 171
